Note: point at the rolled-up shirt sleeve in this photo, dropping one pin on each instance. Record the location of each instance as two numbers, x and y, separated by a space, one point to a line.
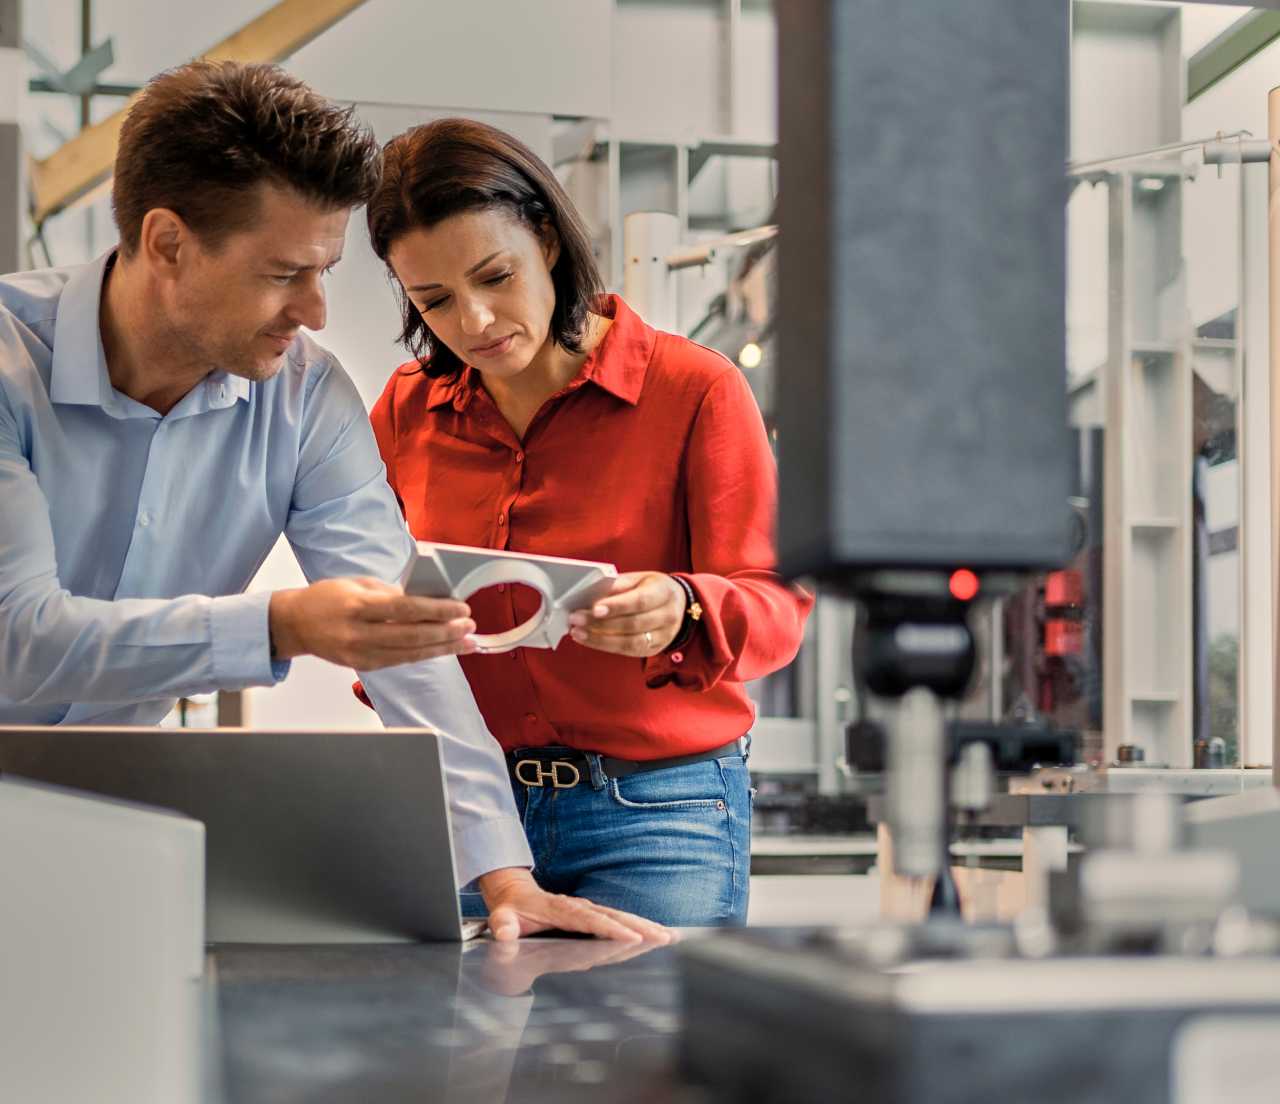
344 520
58 647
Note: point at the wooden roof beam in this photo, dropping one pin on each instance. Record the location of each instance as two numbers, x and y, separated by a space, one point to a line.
87 160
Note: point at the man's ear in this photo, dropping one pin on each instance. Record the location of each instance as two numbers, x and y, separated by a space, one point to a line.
163 238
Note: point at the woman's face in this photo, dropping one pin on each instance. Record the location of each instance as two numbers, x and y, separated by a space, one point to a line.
482 282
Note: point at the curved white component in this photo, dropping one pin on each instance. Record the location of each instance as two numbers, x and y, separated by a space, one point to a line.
493 572
458 571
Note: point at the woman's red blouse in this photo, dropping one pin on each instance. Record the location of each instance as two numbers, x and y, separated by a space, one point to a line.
654 459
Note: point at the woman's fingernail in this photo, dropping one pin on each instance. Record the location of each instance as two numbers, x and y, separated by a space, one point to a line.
578 635
577 619
600 611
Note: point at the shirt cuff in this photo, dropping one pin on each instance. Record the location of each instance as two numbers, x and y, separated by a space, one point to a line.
492 844
241 644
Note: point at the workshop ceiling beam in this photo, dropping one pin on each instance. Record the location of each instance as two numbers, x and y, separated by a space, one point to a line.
1231 49
87 159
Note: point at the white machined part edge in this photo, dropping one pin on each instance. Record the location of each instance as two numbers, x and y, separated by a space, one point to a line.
501 571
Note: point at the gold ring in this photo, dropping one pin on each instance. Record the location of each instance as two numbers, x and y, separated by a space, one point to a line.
648 641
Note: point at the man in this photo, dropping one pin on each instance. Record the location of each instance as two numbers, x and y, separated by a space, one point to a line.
163 420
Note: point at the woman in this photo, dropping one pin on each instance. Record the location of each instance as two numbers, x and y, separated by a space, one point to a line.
540 415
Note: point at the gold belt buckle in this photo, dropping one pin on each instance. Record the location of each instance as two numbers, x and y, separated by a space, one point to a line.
540 779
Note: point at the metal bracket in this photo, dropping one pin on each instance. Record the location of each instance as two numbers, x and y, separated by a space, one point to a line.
458 571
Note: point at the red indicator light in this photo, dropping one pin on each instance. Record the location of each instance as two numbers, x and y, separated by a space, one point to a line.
964 585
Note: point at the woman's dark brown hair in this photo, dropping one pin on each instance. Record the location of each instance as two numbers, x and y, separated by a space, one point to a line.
201 138
454 165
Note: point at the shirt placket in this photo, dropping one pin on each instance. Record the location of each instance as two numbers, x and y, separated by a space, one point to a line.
497 427
150 523
534 727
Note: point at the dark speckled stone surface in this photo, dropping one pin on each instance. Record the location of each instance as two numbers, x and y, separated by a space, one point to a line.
542 1020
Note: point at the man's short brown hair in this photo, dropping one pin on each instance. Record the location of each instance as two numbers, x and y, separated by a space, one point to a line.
201 138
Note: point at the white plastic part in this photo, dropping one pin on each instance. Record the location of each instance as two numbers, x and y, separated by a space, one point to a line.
458 571
101 949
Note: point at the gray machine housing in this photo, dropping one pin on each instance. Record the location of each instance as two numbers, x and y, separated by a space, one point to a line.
922 415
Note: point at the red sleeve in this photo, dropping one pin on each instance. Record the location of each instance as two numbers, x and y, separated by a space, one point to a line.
752 622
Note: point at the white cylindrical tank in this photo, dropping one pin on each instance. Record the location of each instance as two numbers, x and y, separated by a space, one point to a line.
648 284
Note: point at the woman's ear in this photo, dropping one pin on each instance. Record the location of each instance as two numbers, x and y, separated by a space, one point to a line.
550 244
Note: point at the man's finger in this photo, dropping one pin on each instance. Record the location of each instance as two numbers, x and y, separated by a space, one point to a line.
574 914
397 635
409 608
649 929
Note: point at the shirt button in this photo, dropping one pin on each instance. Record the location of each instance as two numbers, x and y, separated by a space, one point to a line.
531 717
144 518
502 519
677 657
519 457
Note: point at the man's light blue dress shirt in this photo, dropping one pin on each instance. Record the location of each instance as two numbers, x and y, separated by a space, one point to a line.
127 540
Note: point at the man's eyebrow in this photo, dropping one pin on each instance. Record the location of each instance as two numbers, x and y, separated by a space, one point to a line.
298 266
473 269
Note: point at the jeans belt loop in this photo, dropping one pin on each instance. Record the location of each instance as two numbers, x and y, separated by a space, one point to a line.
598 777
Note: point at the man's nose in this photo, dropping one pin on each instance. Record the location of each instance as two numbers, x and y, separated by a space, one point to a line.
308 308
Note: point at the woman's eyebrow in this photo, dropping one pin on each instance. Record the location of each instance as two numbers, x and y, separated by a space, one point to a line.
474 268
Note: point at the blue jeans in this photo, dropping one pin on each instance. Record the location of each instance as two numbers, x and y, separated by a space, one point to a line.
673 844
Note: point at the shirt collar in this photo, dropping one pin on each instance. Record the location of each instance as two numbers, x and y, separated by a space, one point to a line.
79 373
617 365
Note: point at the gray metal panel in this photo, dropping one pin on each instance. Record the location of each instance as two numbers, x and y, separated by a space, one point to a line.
12 166
12 162
922 407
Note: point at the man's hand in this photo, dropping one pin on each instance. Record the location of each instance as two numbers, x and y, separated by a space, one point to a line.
518 906
366 624
640 616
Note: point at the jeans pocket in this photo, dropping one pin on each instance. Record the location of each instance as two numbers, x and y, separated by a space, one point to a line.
695 786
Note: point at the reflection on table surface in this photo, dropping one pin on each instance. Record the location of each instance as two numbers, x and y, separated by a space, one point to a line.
538 1020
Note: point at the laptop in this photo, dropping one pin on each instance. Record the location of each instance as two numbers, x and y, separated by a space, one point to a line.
311 837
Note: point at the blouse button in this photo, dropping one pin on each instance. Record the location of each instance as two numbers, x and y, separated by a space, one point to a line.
677 657
502 519
519 457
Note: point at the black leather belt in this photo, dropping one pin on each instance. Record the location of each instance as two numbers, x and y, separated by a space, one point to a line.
563 768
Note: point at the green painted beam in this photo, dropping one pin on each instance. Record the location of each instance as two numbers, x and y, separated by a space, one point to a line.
1231 49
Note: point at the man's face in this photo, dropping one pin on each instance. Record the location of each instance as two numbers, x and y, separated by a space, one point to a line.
239 306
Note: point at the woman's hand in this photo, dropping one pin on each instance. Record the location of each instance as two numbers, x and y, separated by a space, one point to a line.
640 616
